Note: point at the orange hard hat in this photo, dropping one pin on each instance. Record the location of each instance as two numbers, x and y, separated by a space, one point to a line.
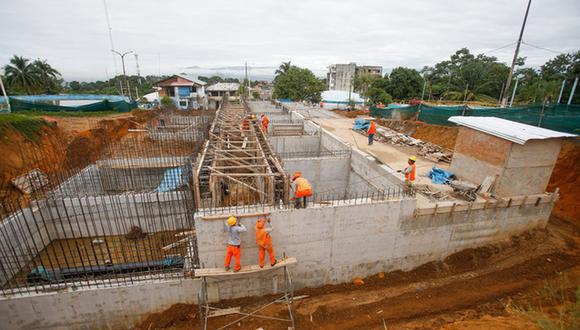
297 174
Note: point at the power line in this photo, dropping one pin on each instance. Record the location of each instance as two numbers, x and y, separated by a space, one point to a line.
543 48
502 47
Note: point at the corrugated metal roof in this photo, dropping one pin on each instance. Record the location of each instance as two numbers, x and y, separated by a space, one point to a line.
507 129
224 87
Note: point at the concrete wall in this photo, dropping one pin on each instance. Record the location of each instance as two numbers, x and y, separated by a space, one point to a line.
99 308
520 169
295 144
528 168
327 175
115 214
22 236
370 170
335 244
478 155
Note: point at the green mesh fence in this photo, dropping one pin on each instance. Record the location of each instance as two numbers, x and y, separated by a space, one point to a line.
563 118
105 105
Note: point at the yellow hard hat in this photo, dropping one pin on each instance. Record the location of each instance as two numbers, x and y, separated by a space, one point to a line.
232 221
413 158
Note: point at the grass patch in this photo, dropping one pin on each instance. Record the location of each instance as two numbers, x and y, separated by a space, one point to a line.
29 126
559 308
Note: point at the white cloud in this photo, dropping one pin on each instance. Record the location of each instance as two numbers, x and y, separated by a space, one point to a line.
172 35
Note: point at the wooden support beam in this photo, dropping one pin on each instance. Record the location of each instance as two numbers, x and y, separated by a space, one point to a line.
235 180
241 215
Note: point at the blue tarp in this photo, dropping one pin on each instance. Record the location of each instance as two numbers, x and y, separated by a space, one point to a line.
171 180
361 125
439 176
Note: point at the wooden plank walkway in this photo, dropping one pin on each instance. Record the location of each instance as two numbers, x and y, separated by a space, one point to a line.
245 269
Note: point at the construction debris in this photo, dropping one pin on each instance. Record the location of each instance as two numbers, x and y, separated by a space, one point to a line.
426 149
432 193
31 181
463 189
135 233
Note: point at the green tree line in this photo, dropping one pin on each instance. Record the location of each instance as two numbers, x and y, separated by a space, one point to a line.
468 77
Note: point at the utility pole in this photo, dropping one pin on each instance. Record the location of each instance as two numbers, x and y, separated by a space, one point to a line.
514 92
509 78
124 72
573 91
4 93
110 34
138 71
561 91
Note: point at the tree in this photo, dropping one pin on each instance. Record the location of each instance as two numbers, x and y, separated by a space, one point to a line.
21 76
405 83
298 84
283 68
363 81
167 103
378 95
48 77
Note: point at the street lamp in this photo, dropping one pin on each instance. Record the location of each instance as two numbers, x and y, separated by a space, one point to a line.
124 73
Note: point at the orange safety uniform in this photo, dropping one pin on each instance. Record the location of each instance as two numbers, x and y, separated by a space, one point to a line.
265 122
303 188
372 128
246 124
236 252
264 242
410 176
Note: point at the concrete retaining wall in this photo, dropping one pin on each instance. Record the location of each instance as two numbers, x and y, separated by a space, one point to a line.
295 144
116 214
335 244
327 175
100 308
22 236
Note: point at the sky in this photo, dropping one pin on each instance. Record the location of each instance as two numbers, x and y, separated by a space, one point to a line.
218 37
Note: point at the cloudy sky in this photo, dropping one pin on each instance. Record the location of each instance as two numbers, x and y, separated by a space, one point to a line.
204 37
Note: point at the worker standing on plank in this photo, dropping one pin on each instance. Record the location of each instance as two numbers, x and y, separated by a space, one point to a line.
245 125
302 190
372 130
265 123
234 229
264 242
409 172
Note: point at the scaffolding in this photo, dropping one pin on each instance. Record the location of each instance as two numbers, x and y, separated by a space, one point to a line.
237 165
206 311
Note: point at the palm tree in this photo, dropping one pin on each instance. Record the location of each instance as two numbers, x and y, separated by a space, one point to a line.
21 75
284 67
47 75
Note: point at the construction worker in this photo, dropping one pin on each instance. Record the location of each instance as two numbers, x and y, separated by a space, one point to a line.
245 126
302 189
371 131
234 229
265 123
264 242
409 172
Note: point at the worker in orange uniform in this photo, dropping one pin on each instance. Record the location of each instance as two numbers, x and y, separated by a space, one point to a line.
264 242
302 190
234 229
409 172
265 123
372 130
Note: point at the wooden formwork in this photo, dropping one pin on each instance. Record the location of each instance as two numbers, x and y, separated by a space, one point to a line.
237 165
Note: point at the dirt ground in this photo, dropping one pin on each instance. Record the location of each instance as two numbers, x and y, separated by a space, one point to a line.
565 175
513 284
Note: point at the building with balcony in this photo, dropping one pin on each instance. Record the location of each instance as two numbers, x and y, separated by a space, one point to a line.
340 77
187 92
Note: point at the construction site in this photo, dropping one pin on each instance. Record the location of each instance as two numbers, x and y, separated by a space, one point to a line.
119 223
